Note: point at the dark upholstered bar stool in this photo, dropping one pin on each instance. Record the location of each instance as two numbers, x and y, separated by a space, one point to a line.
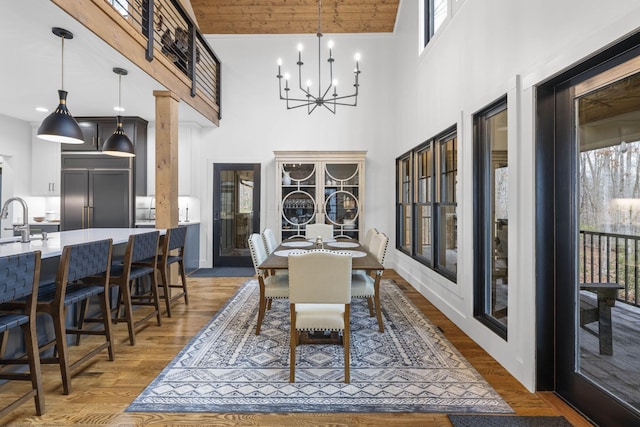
76 263
173 240
124 275
19 276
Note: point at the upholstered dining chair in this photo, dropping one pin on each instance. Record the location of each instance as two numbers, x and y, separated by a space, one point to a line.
272 286
314 230
124 275
270 241
19 276
365 286
319 298
77 262
366 243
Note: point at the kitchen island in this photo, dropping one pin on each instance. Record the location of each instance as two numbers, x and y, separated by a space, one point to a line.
52 247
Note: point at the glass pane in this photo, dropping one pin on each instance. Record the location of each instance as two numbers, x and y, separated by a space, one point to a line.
236 212
608 310
496 140
406 228
448 239
347 174
425 248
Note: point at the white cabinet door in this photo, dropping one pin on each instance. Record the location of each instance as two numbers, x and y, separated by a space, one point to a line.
45 167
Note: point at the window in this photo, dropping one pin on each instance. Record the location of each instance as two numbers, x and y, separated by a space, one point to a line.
403 212
426 219
435 12
491 219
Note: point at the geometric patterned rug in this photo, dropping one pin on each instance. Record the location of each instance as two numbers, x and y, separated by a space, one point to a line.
411 367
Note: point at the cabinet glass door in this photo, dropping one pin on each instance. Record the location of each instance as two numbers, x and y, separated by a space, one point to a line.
299 204
341 206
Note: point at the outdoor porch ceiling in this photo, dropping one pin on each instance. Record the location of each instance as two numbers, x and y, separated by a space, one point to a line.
294 16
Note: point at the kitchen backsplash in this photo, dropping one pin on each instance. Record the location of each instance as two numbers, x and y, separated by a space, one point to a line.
188 208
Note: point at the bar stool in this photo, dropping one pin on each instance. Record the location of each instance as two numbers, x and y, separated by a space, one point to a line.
19 276
174 239
77 262
124 275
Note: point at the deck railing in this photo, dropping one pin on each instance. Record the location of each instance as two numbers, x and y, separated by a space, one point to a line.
611 258
167 27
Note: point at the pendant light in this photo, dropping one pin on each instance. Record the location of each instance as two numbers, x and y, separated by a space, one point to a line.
119 144
60 126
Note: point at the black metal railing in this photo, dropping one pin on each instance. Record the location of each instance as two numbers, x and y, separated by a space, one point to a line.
170 29
611 258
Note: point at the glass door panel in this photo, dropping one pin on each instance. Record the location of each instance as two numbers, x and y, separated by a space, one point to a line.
236 212
607 307
299 205
341 198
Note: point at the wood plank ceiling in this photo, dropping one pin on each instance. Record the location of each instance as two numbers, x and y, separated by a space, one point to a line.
294 16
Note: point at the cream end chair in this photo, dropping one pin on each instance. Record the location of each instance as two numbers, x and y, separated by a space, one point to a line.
270 241
271 286
365 286
366 243
323 230
320 297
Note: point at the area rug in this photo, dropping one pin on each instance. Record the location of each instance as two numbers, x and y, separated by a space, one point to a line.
410 367
507 421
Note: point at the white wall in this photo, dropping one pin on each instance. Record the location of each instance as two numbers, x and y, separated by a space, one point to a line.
486 50
255 122
15 149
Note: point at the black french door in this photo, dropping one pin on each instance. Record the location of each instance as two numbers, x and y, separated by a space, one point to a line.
236 212
588 131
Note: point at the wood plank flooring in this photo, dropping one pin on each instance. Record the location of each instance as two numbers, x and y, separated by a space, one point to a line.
103 390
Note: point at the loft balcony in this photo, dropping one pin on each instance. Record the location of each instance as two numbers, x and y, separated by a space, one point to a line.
162 39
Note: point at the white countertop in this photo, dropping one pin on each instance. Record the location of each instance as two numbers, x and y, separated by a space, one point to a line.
56 241
143 222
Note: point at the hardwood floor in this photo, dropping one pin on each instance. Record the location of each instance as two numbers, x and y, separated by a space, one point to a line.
103 390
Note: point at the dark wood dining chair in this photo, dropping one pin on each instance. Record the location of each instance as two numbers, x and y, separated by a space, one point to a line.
19 276
173 252
139 262
78 262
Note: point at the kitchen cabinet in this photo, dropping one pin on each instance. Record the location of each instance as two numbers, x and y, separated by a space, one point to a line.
45 167
324 187
96 130
96 192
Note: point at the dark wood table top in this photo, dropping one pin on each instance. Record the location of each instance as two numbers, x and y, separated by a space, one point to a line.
278 260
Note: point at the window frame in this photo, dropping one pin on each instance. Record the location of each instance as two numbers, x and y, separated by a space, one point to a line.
484 198
435 189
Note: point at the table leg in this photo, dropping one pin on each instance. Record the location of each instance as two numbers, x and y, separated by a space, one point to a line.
606 300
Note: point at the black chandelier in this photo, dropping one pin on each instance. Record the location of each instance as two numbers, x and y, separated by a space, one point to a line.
327 99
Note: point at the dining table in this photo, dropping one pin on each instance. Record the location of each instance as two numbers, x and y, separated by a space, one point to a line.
362 260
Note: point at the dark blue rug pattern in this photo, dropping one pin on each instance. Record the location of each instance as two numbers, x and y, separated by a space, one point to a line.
409 367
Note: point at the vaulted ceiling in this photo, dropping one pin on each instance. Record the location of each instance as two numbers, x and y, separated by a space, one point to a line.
294 16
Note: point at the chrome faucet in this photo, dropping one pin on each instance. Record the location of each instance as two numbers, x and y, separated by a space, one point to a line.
151 215
25 229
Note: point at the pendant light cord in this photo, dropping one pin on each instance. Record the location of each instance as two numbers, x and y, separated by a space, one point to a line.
62 62
119 93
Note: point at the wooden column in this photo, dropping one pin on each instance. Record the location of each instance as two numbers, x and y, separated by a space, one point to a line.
166 159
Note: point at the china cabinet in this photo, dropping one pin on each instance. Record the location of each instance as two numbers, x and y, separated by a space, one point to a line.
320 187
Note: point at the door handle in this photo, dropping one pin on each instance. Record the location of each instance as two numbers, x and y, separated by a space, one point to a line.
89 210
82 216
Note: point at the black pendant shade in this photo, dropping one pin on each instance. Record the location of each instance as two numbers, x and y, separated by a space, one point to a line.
60 126
119 143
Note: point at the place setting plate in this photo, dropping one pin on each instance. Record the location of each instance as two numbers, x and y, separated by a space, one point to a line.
344 245
302 244
323 240
357 254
